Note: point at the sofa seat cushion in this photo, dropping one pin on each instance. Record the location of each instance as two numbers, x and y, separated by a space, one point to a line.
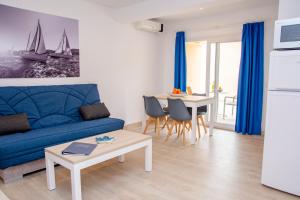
14 147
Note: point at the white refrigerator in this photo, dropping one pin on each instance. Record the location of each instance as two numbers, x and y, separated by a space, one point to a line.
281 158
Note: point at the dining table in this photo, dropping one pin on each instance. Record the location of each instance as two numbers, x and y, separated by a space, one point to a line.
194 102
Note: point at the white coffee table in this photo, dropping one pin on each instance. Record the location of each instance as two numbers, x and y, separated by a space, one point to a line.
126 141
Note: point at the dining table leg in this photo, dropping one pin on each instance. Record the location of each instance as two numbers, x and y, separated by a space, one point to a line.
212 118
194 124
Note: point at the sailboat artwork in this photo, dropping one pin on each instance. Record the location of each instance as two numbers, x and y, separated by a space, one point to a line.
37 45
37 50
63 50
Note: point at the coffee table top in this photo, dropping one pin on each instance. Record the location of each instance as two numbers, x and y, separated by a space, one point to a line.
124 138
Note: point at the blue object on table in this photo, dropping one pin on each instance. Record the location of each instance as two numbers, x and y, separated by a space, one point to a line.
104 139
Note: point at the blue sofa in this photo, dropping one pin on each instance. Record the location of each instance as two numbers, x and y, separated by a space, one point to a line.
53 113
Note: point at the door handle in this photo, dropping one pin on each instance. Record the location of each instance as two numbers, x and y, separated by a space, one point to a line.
287 89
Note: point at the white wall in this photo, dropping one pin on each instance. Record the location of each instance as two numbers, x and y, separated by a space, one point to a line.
125 63
219 27
288 9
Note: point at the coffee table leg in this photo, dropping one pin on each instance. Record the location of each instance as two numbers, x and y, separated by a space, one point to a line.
50 172
148 157
76 183
121 158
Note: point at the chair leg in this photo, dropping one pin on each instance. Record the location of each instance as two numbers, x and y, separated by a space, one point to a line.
148 122
188 126
167 122
157 125
178 130
165 119
203 124
170 131
183 133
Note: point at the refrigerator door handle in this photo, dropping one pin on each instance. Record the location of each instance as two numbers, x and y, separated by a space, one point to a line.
286 90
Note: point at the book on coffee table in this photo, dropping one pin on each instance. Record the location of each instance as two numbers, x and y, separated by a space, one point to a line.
79 148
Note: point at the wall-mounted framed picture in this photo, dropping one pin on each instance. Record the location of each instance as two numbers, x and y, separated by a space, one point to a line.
37 45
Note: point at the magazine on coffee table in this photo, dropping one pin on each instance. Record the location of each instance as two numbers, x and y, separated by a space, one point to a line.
79 148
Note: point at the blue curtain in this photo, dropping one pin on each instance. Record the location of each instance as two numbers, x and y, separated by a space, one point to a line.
251 80
180 62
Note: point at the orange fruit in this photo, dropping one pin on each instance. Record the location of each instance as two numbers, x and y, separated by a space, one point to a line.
174 91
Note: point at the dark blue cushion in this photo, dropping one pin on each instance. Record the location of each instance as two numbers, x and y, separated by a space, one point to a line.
48 106
23 147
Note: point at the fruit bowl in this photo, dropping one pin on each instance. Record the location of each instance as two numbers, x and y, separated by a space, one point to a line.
178 95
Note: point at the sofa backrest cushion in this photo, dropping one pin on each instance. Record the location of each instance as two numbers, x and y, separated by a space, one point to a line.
95 111
14 124
48 105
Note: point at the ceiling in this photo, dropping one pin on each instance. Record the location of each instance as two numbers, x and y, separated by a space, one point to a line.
214 8
173 10
117 3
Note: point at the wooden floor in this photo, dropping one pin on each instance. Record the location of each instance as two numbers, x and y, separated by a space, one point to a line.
224 166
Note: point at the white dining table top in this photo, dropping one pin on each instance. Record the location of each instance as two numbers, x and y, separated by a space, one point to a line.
187 98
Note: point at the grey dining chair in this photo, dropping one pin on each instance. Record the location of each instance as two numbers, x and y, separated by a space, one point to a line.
201 111
156 113
180 117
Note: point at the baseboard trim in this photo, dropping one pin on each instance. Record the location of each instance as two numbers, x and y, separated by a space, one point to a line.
3 196
133 125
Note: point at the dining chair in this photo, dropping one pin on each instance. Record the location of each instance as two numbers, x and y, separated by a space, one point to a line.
201 111
180 117
231 103
156 114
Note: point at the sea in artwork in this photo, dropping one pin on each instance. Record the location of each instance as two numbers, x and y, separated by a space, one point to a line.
15 66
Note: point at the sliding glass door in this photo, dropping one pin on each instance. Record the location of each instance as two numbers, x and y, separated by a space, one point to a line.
212 68
227 61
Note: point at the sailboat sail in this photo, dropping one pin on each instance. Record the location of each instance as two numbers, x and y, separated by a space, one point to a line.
38 43
68 48
60 46
33 44
64 46
28 41
41 49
